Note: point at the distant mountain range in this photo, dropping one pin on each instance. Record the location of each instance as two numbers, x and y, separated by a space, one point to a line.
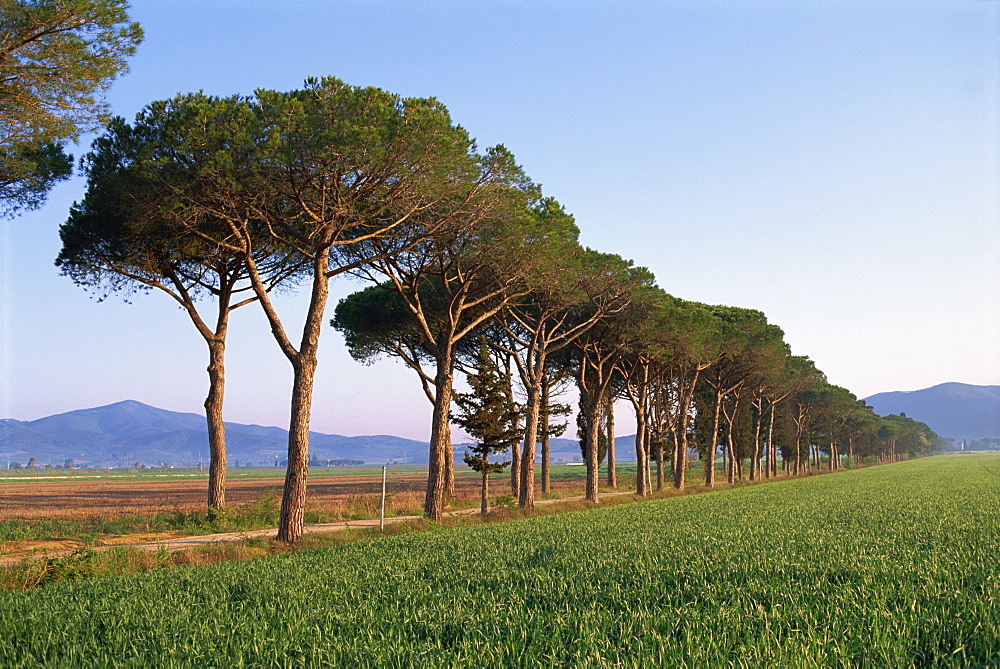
956 410
124 433
121 434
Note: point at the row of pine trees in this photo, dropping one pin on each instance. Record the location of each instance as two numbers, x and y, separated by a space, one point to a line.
224 202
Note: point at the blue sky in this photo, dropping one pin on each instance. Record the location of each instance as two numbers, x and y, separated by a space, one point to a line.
833 164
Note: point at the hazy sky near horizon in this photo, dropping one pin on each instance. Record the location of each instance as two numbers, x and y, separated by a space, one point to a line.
835 165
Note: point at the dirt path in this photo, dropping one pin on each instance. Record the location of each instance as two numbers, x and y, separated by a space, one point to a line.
175 544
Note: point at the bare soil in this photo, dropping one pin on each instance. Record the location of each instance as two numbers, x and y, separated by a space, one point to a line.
85 496
119 494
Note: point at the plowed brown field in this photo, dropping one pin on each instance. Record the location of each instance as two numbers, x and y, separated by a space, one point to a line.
82 495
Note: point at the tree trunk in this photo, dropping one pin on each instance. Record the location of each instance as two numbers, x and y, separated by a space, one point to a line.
755 462
440 435
612 466
526 499
483 506
515 471
646 441
641 452
216 427
544 419
593 465
684 394
515 458
713 442
659 464
730 453
799 428
769 458
680 433
680 461
216 341
449 469
293 499
674 462
590 408
772 453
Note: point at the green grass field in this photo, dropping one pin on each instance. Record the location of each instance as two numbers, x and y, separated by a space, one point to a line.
895 565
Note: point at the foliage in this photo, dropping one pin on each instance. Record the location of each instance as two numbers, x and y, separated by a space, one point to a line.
490 416
133 233
57 58
376 322
547 428
487 414
29 173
